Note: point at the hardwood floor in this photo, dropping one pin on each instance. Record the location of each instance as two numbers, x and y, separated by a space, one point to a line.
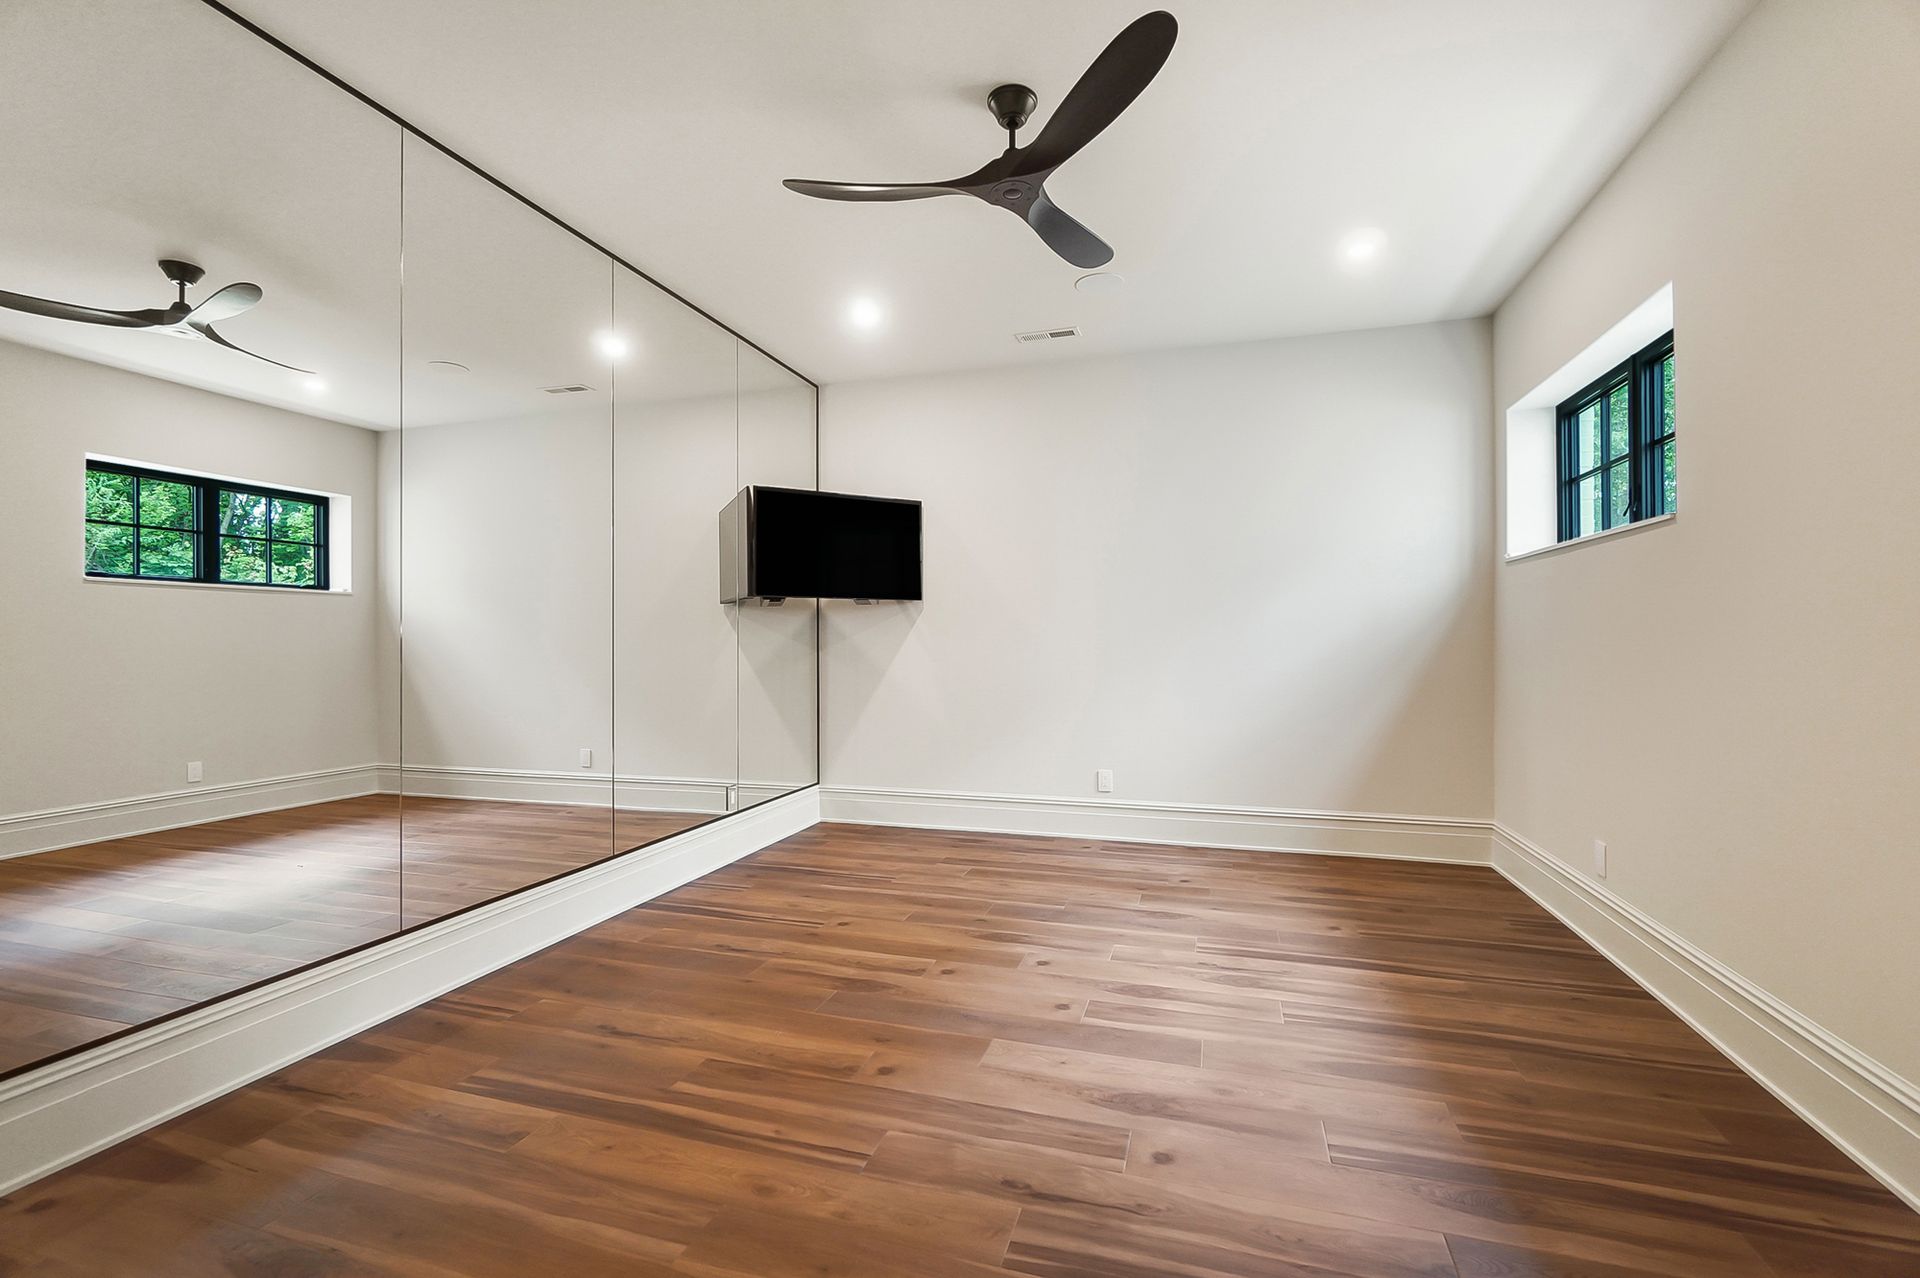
889 1053
97 938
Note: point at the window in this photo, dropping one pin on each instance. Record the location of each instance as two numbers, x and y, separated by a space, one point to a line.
1616 446
160 527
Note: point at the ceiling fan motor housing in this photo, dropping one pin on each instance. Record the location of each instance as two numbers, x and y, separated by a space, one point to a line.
185 274
1012 104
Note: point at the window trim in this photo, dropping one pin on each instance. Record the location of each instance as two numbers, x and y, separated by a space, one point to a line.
205 534
1639 373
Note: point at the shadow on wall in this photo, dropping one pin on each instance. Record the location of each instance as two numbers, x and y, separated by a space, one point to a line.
778 682
865 640
1395 713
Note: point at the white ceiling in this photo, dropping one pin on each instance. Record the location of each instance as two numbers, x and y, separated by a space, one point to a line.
131 131
137 129
1470 131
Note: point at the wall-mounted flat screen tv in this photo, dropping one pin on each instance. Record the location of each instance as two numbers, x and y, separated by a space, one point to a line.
779 543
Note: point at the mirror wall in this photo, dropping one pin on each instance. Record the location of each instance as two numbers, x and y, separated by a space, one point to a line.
504 658
506 552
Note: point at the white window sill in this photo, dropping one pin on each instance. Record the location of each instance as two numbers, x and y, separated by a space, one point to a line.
209 585
1623 530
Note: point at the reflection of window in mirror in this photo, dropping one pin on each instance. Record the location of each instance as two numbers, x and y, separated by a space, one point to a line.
156 525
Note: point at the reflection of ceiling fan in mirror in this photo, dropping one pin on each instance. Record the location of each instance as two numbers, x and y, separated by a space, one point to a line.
180 319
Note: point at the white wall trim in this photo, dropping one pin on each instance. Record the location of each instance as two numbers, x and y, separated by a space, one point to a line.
52 828
1530 512
1401 838
61 1113
1605 534
1867 1110
632 793
527 785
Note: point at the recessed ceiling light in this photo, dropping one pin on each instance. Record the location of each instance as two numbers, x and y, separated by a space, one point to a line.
865 313
1100 282
447 366
1363 246
612 345
314 385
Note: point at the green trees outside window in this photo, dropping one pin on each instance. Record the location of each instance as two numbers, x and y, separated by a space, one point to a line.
150 524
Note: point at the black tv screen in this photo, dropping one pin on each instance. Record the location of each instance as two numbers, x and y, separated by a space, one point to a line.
791 542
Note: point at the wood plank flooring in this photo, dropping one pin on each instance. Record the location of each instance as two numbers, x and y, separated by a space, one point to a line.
98 938
871 1053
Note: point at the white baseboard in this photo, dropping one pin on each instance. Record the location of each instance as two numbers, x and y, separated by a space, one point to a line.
1871 1113
523 785
74 1107
752 792
1401 838
628 793
51 828
54 828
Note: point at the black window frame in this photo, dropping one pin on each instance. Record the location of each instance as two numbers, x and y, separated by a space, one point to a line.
1647 438
205 532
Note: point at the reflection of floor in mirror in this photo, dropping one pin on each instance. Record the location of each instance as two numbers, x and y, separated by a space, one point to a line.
100 937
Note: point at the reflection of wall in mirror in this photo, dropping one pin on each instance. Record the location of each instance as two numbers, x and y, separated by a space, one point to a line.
505 565
111 688
674 651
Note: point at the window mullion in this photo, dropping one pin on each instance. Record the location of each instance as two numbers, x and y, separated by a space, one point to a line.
204 547
1640 473
1605 481
1564 429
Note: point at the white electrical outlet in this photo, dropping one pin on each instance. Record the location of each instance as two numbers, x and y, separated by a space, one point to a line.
1599 859
1103 780
586 758
733 797
193 772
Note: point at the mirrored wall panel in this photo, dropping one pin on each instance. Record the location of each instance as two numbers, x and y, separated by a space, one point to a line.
676 463
506 543
199 354
362 556
777 675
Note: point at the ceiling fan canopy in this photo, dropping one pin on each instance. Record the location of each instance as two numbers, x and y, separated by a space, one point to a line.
179 318
1016 180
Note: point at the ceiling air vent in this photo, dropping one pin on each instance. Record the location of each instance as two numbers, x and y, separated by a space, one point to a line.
565 390
1046 335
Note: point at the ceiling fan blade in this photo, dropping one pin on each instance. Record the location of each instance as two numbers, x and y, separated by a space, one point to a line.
1123 69
83 314
867 190
225 304
1064 234
206 331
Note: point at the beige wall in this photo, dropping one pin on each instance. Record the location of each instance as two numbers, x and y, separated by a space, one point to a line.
1731 701
1253 575
107 689
506 622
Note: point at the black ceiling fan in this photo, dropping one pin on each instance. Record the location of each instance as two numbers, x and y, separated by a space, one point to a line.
178 319
1017 180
